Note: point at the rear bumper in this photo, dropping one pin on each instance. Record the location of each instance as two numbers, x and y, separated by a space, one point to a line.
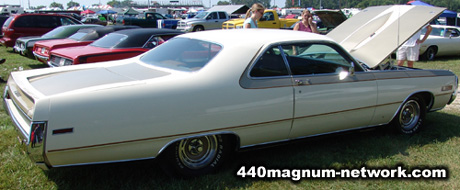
7 42
32 135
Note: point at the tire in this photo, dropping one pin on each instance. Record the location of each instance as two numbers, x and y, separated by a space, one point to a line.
198 28
410 117
430 53
196 156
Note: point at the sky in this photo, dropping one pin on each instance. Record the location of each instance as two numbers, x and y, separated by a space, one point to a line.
35 3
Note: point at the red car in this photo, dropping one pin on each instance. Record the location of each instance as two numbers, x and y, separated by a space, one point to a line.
21 25
83 37
116 45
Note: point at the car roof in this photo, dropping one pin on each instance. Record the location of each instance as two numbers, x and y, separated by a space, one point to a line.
254 37
138 37
98 32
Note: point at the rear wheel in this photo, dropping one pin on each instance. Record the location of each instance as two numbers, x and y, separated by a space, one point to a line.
411 116
196 156
430 53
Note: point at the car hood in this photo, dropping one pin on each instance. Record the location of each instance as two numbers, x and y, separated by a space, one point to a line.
375 32
60 42
29 38
85 78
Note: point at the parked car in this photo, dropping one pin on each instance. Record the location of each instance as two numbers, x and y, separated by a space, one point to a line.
205 20
22 25
82 38
443 40
270 19
24 45
89 20
151 20
116 45
195 99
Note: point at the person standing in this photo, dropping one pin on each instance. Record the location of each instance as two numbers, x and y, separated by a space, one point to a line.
307 23
410 50
253 14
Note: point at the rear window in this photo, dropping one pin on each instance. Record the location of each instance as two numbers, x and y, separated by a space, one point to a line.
109 40
182 54
77 36
7 22
54 32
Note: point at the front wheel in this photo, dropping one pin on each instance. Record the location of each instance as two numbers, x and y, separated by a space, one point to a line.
411 116
198 28
196 156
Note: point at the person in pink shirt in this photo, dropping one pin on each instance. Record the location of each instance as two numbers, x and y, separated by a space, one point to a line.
307 23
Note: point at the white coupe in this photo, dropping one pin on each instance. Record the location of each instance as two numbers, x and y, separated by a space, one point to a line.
200 96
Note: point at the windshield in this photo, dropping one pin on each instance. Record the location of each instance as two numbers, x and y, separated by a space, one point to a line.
182 54
54 32
201 14
109 41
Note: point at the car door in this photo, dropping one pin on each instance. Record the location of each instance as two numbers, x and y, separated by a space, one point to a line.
213 21
451 42
329 96
268 92
268 21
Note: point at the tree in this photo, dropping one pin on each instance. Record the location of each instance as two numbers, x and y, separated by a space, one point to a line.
223 3
249 3
57 5
72 4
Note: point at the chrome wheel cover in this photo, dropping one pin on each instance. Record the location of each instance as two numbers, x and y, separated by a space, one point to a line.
410 115
197 153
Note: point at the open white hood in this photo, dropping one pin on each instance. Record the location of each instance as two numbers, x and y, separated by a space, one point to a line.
375 32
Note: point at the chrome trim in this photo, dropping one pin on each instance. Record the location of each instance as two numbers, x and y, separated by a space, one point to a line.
41 57
37 142
410 95
196 136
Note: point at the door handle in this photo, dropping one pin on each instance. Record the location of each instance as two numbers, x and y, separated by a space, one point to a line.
301 82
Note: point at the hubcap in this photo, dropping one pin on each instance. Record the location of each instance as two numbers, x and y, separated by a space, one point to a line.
410 115
196 153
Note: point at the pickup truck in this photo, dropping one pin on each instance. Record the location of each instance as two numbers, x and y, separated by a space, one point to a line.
270 19
151 20
204 21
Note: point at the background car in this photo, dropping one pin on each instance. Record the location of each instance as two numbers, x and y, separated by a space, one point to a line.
116 45
24 45
90 20
21 25
82 38
443 40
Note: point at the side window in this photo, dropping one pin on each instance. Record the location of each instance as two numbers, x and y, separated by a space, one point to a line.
154 41
47 21
270 64
66 21
307 59
23 22
268 16
222 15
212 16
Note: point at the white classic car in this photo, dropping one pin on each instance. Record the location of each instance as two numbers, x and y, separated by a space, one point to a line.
443 40
200 96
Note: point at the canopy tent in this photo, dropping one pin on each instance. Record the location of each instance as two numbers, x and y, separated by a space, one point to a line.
130 11
87 11
104 12
446 13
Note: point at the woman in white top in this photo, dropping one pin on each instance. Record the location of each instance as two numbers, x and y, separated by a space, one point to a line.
253 14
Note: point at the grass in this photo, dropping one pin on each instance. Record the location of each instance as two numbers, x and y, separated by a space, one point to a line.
437 145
